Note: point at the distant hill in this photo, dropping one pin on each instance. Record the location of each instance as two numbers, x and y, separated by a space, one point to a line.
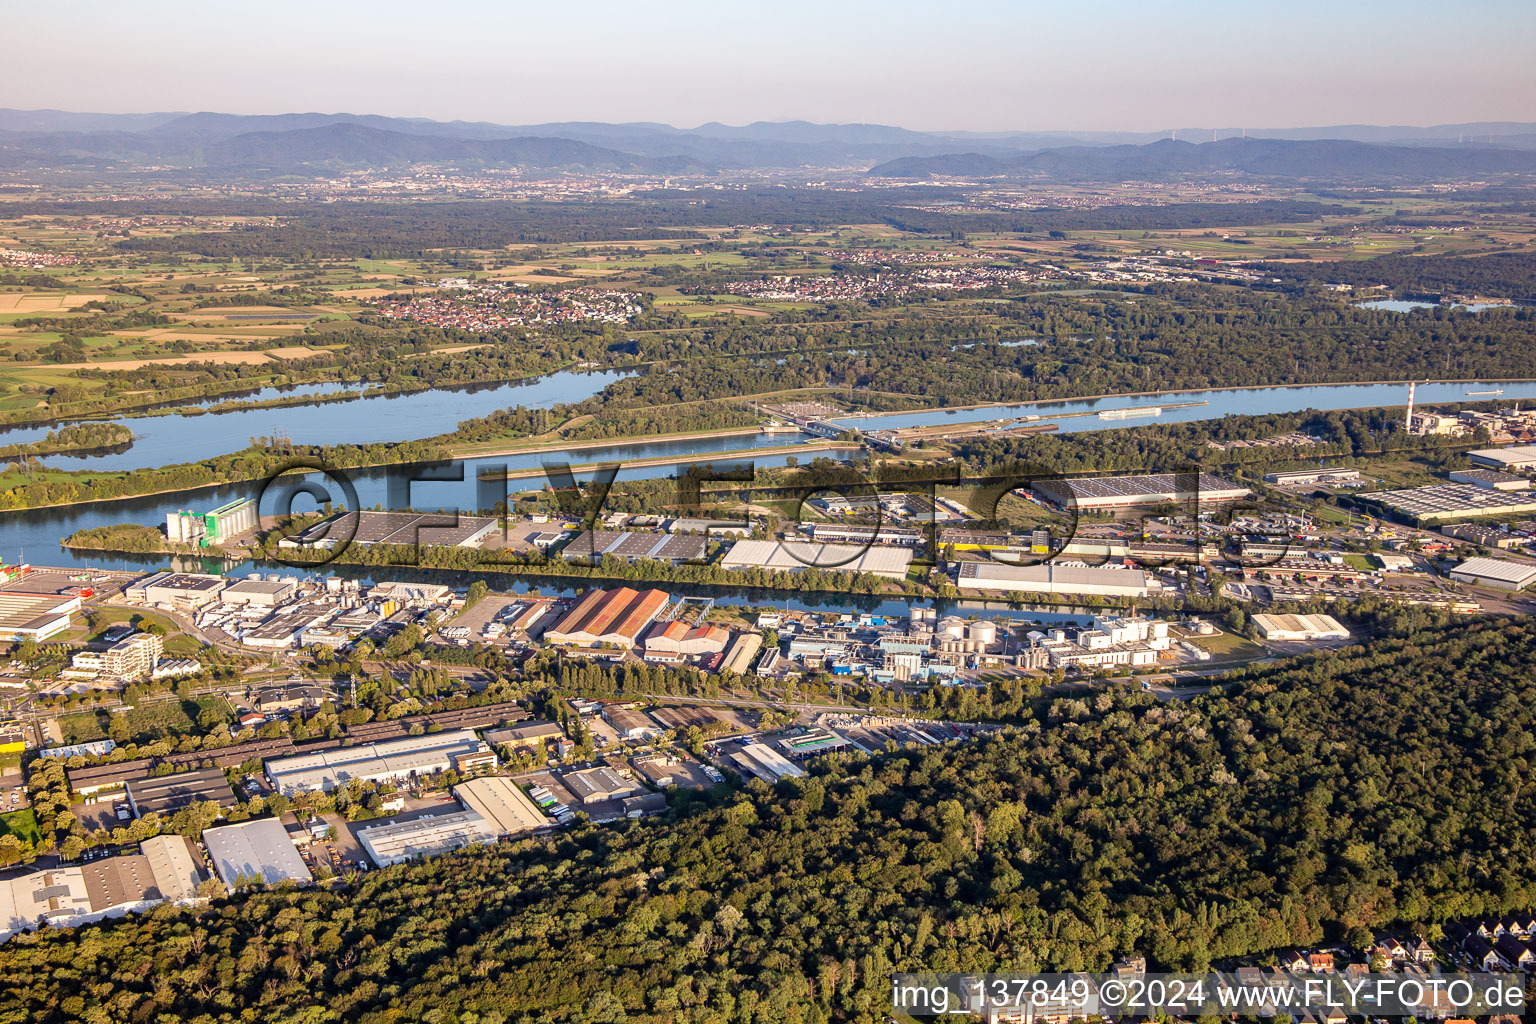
1334 159
314 142
329 147
353 145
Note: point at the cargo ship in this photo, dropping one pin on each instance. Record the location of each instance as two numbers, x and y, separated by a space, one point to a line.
1125 414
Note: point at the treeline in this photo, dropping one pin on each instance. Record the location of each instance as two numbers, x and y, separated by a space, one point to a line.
1317 800
1345 436
73 438
642 571
1506 275
254 463
1167 217
383 229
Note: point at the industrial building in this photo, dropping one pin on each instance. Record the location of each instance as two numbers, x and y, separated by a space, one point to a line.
55 897
501 803
763 762
595 785
1496 572
385 761
119 885
258 850
1113 640
1492 479
282 630
675 549
1439 502
167 794
1051 578
397 841
179 591
890 562
711 528
289 697
258 593
1140 491
206 529
35 616
97 778
1303 477
615 617
421 595
833 533
1300 627
676 641
1484 535
1521 456
442 529
738 657
813 743
525 733
174 863
630 723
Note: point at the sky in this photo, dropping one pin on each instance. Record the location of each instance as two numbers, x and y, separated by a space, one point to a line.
981 65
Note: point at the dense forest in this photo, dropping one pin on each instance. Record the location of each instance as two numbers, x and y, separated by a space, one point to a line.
1314 800
1505 275
380 230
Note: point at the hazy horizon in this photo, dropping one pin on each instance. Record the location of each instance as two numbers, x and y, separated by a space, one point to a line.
1226 132
984 66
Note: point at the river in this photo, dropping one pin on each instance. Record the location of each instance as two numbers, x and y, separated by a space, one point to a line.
171 438
1216 404
35 534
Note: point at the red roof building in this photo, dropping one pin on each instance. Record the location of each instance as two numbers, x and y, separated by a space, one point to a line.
608 617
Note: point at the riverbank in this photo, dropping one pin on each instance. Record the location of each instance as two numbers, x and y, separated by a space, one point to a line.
740 454
496 449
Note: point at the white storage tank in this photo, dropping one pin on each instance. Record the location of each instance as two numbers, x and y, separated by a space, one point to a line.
952 626
984 631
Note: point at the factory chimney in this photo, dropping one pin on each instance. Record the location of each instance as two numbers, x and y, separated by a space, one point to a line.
1408 419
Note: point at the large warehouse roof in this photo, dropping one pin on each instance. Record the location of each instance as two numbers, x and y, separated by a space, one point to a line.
502 803
594 544
1051 578
35 616
609 616
1520 456
167 794
386 759
794 556
1141 489
255 849
1453 501
439 528
396 841
1497 572
174 863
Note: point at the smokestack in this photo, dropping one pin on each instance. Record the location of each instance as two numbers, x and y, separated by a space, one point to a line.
1408 420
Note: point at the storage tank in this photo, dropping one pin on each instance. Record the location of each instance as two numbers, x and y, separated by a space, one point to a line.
984 631
919 614
952 626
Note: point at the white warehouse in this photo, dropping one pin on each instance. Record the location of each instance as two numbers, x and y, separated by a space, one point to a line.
1051 578
384 761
